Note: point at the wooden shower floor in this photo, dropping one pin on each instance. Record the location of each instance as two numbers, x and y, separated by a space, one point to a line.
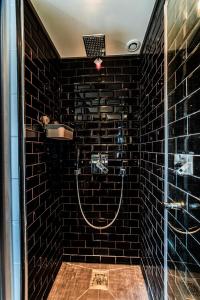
73 283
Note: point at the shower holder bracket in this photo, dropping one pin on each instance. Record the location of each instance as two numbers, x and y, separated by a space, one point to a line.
77 172
122 172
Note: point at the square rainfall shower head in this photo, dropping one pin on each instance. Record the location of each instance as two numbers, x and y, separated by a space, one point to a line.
94 45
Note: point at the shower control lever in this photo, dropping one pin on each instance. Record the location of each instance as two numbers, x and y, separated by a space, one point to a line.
183 164
174 205
99 163
101 167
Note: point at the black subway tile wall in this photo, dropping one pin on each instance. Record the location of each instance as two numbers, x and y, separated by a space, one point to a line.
117 111
104 107
152 155
43 206
184 133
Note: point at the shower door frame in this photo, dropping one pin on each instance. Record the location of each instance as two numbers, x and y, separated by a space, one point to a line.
22 140
13 270
166 134
5 224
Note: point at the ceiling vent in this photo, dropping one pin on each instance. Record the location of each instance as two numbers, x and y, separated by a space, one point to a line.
133 45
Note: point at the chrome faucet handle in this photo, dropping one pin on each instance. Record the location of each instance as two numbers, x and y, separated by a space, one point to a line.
183 164
101 167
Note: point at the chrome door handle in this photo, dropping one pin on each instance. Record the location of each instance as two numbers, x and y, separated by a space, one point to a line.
174 205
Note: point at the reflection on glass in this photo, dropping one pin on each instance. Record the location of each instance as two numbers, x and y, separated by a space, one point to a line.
183 116
198 8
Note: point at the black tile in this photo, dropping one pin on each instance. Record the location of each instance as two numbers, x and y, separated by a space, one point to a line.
194 124
194 144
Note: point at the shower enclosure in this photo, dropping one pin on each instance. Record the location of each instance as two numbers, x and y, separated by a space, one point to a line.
107 138
101 121
11 151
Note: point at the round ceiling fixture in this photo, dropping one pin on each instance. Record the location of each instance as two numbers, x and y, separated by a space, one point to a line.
133 45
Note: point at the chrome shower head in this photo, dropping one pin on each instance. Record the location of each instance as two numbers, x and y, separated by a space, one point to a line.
94 45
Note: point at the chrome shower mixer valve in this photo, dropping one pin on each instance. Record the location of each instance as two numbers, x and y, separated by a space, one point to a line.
183 164
101 167
99 163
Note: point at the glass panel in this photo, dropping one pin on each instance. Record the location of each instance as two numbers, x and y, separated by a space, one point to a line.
183 134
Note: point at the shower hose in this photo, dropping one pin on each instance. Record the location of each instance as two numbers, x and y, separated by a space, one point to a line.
119 206
191 230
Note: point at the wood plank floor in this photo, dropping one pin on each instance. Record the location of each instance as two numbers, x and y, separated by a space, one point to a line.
73 283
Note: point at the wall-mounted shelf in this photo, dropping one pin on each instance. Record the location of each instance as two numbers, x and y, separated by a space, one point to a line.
59 132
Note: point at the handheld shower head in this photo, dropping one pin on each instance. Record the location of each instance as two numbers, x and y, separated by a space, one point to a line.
78 156
77 159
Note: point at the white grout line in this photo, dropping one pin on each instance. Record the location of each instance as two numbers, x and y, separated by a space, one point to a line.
82 294
123 268
96 267
80 266
112 295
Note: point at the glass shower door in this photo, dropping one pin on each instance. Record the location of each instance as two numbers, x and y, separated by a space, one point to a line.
182 146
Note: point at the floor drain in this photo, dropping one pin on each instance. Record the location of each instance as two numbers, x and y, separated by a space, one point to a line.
99 280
